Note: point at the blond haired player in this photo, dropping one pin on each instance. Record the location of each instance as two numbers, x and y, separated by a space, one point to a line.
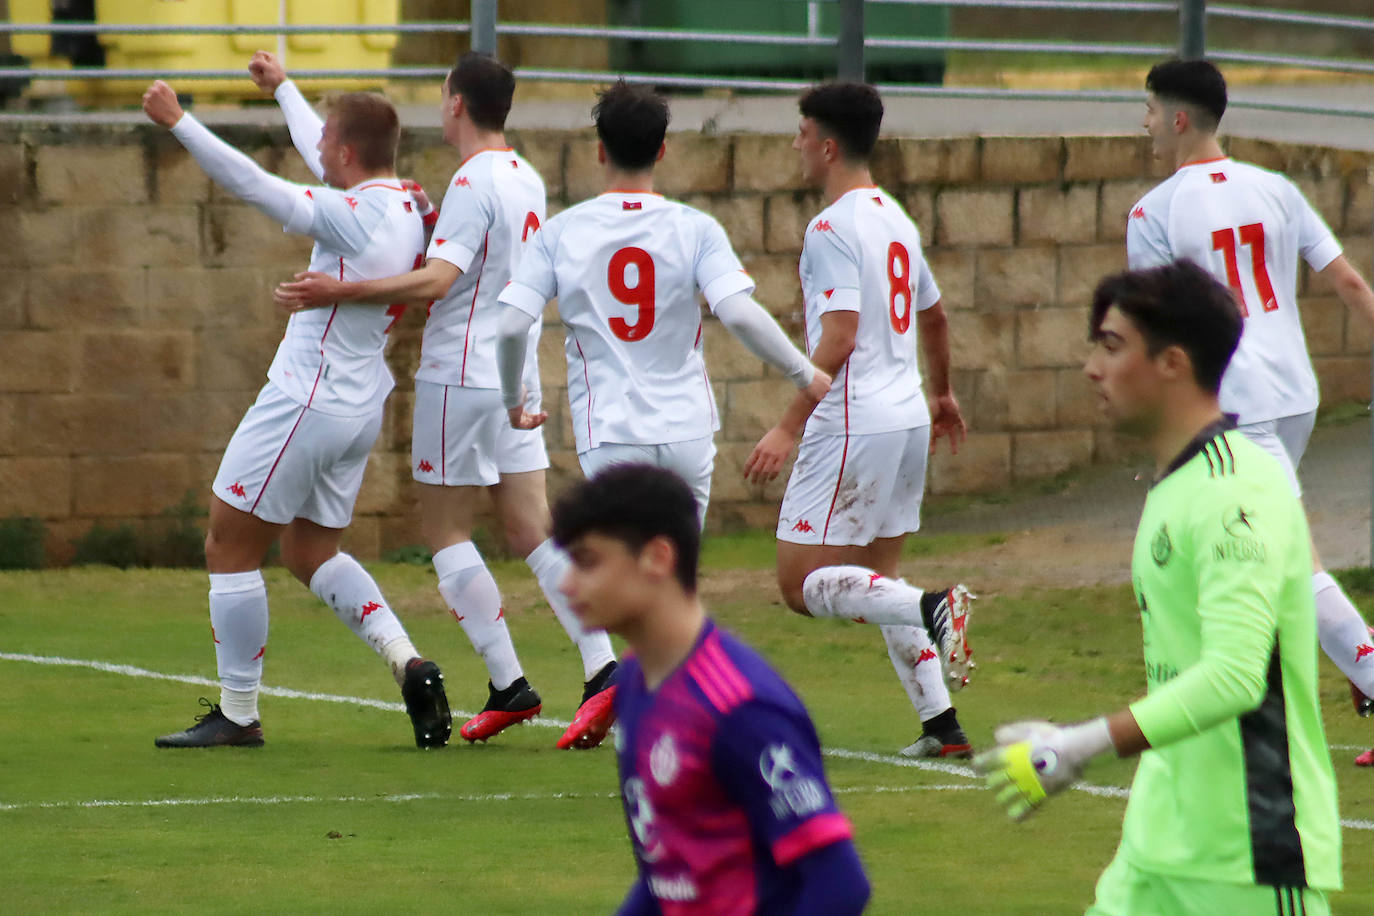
625 267
856 488
461 444
1247 227
294 465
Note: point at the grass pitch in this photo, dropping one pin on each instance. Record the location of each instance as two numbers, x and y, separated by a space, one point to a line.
340 813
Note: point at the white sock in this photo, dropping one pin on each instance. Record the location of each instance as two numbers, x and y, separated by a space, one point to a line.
473 597
238 623
548 564
918 668
859 594
343 584
1343 633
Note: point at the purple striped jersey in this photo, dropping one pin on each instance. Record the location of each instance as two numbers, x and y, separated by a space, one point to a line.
722 782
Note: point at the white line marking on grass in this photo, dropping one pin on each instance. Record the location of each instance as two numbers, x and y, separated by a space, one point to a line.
390 706
406 797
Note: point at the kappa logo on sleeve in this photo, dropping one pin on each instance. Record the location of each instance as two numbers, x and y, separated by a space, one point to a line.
794 795
824 226
1138 213
352 202
462 182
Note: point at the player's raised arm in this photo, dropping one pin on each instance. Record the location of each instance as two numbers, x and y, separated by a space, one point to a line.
284 201
305 125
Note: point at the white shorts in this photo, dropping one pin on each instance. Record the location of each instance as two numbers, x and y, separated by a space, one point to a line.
692 460
286 461
855 489
1285 439
462 437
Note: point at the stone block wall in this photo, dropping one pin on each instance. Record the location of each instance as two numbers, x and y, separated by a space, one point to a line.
136 321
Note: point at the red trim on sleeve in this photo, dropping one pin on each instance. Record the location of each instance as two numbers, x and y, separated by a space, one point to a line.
818 832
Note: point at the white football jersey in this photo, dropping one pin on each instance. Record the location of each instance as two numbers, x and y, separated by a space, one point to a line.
493 206
863 253
1246 226
331 359
626 267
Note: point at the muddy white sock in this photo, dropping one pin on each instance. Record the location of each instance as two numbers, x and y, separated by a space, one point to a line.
356 599
859 594
917 664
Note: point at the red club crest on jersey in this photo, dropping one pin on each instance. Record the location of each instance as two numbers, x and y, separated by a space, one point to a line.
369 608
824 226
1138 213
424 464
1362 650
631 205
927 655
352 202
237 489
1218 177
803 526
462 182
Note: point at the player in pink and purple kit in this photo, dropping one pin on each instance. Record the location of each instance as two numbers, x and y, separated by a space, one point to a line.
720 768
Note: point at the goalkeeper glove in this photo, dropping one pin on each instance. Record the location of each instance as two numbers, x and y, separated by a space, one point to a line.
1035 759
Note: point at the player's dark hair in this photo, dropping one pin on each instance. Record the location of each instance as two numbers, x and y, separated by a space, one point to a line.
631 122
1197 83
367 122
487 87
634 503
1178 304
849 113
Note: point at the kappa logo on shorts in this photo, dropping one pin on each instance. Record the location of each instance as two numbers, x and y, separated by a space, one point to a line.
425 466
1362 650
369 608
803 526
237 489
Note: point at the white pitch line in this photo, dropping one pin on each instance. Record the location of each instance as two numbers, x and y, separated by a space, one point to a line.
389 706
406 797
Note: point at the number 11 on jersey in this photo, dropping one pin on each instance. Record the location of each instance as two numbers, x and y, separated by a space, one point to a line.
1252 236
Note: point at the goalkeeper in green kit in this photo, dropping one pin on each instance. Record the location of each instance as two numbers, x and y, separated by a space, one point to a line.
1233 808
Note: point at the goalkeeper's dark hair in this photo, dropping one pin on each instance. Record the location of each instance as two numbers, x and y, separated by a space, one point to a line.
1195 83
487 87
634 503
631 122
851 114
1178 304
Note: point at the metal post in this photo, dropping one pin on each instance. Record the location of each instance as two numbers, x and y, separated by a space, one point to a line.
851 42
1192 29
484 26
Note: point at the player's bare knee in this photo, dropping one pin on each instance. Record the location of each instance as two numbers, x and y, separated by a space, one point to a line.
793 597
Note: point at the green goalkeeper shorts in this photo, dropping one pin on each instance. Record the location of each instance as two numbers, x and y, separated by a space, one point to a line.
1124 890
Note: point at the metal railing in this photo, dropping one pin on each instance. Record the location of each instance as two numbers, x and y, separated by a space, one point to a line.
850 44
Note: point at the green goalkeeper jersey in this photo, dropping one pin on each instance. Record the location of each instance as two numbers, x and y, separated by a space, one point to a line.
1239 785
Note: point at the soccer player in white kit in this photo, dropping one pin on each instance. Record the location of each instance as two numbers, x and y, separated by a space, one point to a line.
856 488
294 466
461 443
1247 227
625 267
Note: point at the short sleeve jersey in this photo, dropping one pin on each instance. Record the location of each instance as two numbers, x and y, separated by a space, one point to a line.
331 359
492 208
1231 792
1246 226
863 253
626 268
722 782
